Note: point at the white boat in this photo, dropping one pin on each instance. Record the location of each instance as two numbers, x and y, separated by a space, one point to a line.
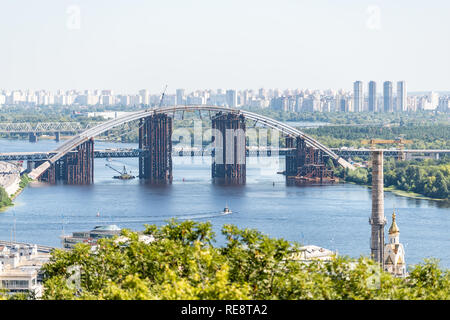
226 210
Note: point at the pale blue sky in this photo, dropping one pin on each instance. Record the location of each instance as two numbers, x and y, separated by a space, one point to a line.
127 45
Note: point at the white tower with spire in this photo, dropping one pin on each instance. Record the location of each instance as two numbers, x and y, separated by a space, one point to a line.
394 253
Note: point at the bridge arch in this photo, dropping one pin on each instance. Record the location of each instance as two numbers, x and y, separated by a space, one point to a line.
90 133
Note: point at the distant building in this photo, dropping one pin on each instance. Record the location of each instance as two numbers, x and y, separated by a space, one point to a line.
180 97
358 96
145 97
401 96
372 102
20 268
387 97
311 253
90 237
394 253
444 104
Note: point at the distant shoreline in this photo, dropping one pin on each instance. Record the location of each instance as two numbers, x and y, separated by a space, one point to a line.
402 193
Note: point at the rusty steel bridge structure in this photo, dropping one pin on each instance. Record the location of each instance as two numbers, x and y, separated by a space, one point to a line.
73 161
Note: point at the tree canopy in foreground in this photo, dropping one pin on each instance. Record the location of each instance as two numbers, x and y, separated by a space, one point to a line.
183 263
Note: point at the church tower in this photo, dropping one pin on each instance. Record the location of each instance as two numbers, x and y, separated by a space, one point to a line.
394 253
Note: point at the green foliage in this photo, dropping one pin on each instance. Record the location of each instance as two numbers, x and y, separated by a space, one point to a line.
182 263
24 180
428 136
430 178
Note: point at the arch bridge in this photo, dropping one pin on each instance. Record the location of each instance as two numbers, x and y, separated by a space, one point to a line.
155 132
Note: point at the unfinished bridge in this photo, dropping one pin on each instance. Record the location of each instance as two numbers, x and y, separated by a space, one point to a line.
73 161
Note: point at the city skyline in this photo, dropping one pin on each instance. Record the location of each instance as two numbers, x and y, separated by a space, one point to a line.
293 100
128 46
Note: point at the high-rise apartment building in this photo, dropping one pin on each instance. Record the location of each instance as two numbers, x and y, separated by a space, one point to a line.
180 97
358 96
388 104
401 96
231 98
372 102
145 97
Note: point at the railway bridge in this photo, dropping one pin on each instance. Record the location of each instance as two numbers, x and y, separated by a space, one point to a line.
73 161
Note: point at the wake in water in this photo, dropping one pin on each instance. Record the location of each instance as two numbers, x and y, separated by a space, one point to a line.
141 219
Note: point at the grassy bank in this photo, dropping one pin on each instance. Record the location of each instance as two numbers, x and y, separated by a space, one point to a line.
5 200
401 193
24 181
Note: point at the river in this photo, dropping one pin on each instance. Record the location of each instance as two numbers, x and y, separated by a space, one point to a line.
331 216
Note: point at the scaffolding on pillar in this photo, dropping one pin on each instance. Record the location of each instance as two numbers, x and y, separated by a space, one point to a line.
77 167
155 138
307 164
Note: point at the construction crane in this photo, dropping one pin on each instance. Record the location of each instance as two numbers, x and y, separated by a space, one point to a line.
162 96
123 175
400 141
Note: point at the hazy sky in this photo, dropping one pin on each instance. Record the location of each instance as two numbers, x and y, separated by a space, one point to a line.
127 45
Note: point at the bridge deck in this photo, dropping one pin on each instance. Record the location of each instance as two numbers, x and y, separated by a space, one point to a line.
134 153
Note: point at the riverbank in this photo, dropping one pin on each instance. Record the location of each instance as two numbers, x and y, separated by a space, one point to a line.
10 177
413 195
402 193
13 190
24 181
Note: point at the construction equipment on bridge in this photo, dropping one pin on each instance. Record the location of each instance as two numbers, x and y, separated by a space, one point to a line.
307 164
400 141
162 96
124 175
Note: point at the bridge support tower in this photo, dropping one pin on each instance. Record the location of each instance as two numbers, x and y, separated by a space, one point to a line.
155 138
307 164
32 137
77 167
229 161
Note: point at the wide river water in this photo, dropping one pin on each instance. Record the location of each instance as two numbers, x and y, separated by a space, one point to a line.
331 216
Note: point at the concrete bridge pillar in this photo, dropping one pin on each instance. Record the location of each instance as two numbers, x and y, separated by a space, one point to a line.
155 138
291 158
30 165
57 136
229 161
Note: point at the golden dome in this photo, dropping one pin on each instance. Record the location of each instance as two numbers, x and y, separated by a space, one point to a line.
394 228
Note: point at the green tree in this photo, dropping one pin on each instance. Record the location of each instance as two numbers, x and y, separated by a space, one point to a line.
182 263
